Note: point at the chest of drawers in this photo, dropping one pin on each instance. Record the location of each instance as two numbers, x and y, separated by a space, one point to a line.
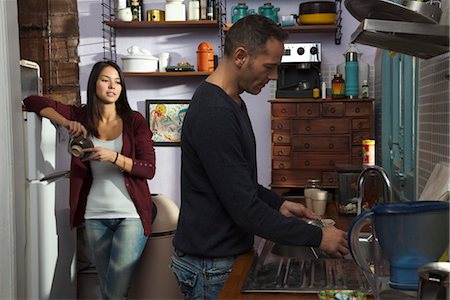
309 137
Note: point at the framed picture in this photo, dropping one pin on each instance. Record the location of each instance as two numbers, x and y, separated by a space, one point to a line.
165 118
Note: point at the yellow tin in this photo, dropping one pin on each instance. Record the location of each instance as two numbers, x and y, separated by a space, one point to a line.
156 15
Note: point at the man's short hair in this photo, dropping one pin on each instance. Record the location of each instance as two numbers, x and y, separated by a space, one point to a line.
252 33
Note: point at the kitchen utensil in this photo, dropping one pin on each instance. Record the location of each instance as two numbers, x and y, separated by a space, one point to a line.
434 281
317 12
239 11
430 9
410 234
269 11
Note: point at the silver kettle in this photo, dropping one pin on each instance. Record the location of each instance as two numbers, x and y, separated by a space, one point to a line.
434 280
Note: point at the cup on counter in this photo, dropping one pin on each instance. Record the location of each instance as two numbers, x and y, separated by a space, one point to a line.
319 202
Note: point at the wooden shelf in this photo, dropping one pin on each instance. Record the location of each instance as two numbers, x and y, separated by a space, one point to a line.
303 28
164 74
162 24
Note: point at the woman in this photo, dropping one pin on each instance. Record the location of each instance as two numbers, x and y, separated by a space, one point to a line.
108 189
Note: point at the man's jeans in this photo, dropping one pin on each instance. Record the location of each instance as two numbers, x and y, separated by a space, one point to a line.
116 246
199 277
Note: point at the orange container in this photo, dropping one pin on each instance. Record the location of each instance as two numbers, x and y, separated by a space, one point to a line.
205 57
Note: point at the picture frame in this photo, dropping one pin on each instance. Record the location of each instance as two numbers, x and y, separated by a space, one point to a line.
165 118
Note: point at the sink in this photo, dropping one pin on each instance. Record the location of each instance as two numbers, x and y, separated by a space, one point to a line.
298 269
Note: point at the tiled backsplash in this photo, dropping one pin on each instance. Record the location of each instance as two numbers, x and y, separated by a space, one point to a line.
433 117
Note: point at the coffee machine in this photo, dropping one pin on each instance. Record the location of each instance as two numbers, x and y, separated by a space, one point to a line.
299 71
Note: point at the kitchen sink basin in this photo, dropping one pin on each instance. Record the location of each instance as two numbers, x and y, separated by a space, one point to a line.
296 269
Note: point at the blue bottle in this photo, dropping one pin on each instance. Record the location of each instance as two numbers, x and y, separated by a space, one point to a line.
351 72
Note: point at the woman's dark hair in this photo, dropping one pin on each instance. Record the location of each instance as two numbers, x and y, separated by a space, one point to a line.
252 33
93 112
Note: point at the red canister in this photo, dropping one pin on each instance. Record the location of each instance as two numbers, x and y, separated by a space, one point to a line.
205 57
368 150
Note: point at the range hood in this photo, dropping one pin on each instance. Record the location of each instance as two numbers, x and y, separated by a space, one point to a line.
395 27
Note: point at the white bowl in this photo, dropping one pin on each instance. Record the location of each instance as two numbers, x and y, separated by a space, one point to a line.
139 63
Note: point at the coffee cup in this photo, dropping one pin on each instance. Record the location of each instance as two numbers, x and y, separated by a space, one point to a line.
78 144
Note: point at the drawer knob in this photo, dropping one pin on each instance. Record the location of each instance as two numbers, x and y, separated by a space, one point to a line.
330 180
279 138
280 126
283 110
306 145
281 165
332 128
307 128
333 110
330 146
309 111
280 152
307 163
358 110
283 179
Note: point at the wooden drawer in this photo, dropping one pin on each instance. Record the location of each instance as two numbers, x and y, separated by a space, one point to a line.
281 150
359 136
330 179
281 137
280 164
333 109
319 126
358 108
308 109
359 124
357 154
293 178
284 109
321 143
318 161
281 124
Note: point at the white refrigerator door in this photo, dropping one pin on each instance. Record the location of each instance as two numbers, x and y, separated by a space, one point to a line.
50 242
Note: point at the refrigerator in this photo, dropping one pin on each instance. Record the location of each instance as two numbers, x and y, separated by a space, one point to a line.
48 245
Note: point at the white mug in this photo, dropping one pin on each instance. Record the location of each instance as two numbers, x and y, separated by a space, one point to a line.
125 14
163 61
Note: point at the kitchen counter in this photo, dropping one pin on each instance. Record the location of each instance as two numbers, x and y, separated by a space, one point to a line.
234 283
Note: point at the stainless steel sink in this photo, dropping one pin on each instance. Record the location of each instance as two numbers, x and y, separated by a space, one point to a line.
295 269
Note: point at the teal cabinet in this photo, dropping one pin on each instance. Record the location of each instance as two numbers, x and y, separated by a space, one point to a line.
398 122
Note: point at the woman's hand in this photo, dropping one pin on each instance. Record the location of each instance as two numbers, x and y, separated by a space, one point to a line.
295 209
75 128
100 154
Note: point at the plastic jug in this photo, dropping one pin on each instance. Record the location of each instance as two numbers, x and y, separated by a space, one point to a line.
239 11
409 234
269 11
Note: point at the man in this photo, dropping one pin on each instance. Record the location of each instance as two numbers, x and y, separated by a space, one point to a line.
222 204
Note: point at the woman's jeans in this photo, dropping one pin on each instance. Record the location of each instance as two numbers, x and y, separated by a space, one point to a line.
116 246
201 277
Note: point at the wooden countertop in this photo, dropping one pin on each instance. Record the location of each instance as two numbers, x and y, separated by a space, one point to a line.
234 283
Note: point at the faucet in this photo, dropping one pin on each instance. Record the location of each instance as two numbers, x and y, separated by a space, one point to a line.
388 197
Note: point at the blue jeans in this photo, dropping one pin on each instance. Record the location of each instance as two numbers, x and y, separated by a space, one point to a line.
200 277
116 246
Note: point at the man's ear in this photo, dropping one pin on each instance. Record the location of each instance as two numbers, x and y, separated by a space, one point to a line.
240 56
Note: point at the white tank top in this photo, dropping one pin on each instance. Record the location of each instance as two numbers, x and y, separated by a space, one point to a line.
108 197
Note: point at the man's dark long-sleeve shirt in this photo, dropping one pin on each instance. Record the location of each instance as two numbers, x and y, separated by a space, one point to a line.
222 204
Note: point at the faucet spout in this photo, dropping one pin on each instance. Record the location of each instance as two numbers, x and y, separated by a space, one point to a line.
388 197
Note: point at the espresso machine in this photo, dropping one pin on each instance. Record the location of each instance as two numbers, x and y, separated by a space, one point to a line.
299 71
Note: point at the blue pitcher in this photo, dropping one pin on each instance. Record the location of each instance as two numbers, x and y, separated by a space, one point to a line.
239 11
269 11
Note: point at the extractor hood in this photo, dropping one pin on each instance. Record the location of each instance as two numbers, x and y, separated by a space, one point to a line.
395 27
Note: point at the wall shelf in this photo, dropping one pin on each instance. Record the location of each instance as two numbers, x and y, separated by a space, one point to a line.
164 74
162 24
304 28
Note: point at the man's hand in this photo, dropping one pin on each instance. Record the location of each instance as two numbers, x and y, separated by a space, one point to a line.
294 209
334 241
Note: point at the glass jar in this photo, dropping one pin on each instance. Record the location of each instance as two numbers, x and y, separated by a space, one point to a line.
312 186
338 87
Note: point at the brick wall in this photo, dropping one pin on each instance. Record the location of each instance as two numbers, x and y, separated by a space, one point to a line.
433 117
49 35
